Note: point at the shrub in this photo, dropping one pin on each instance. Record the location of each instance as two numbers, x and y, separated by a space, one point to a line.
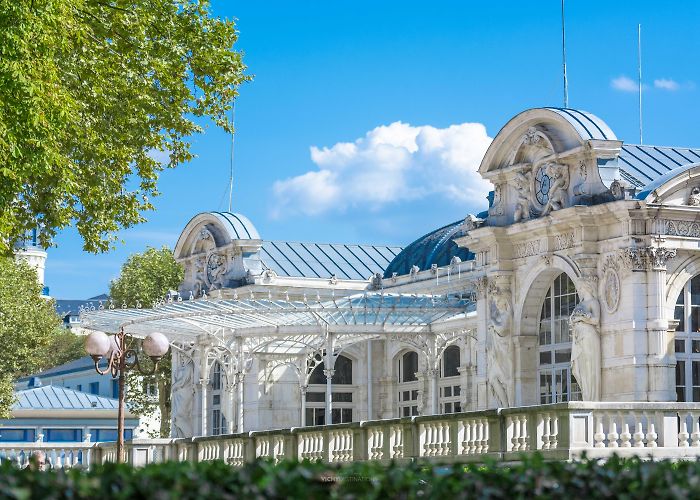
531 478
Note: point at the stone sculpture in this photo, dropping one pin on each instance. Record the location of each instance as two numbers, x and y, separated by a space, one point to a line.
559 178
498 348
523 186
585 349
182 396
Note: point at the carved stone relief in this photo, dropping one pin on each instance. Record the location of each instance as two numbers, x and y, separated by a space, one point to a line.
527 248
563 241
216 269
558 176
523 185
649 258
497 207
681 228
611 290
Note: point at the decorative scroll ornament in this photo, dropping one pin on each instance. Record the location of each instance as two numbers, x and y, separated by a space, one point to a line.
472 222
531 136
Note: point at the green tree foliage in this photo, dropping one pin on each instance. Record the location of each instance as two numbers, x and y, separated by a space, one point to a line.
144 279
27 325
64 346
92 94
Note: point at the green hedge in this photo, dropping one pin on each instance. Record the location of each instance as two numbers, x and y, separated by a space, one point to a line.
533 478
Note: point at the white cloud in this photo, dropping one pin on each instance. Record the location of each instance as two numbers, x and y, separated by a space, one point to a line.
391 163
625 84
666 84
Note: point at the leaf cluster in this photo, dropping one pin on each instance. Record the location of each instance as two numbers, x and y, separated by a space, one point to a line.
97 97
531 478
28 323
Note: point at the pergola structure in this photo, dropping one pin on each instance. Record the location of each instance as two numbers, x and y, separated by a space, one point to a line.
300 334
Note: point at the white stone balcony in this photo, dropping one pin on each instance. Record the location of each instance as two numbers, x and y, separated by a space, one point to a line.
561 431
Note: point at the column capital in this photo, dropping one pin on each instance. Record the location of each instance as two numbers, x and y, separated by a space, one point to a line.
328 373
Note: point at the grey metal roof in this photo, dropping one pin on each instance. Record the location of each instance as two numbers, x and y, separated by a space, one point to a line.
51 397
588 125
77 365
239 226
641 165
323 260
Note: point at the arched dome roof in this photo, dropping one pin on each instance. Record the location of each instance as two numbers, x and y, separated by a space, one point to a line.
222 228
437 247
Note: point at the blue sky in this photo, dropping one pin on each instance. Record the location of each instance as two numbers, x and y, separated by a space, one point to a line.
319 153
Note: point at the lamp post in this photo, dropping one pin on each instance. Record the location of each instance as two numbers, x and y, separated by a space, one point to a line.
120 360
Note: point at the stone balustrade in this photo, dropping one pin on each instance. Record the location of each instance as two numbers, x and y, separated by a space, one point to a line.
560 431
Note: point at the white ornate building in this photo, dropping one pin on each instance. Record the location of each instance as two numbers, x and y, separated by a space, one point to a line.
578 282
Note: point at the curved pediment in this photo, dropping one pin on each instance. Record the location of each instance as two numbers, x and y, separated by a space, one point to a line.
547 159
679 187
218 250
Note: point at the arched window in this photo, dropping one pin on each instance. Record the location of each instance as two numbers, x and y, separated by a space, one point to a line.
217 419
342 397
407 367
449 386
450 362
554 373
687 343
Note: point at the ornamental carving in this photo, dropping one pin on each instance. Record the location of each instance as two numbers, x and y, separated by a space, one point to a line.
694 198
216 268
585 342
563 241
558 179
611 290
497 206
681 228
480 285
649 258
523 181
527 248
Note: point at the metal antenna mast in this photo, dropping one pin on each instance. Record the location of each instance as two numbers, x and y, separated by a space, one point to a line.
230 181
563 51
639 63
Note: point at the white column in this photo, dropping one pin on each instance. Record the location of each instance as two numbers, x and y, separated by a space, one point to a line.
370 408
241 378
203 383
328 372
230 406
302 417
433 374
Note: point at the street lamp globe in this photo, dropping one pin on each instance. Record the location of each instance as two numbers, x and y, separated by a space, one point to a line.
156 345
97 345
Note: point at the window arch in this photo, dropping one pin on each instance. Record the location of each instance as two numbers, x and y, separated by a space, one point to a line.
556 383
408 385
217 419
342 397
687 342
451 359
450 388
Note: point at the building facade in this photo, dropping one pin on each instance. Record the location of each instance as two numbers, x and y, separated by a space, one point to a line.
578 281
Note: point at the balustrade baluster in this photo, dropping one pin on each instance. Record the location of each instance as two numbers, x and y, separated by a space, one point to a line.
612 435
638 436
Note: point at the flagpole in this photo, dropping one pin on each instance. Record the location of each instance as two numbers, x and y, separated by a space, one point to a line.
563 50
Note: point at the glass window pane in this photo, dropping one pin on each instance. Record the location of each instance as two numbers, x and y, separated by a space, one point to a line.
315 397
695 368
448 407
696 346
695 319
414 395
406 395
451 361
679 314
342 397
695 291
343 371
680 373
458 407
456 390
448 392
680 345
545 357
562 356
410 366
347 414
17 435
